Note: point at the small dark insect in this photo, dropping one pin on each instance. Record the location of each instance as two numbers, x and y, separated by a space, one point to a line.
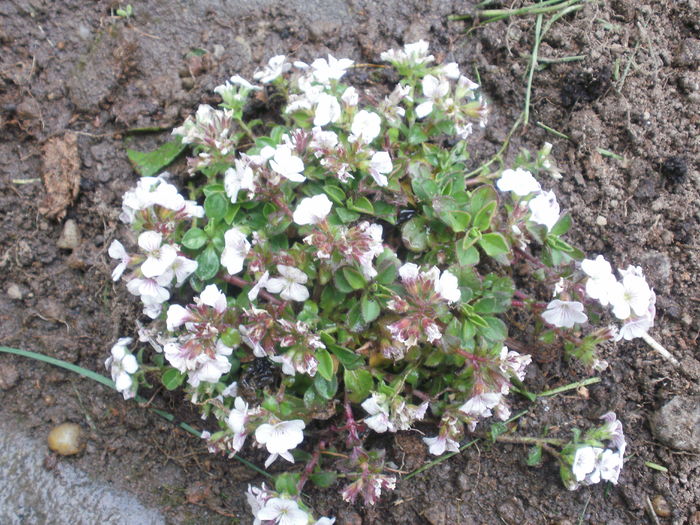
258 374
405 215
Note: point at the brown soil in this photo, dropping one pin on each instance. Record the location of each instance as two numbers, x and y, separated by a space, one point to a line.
72 74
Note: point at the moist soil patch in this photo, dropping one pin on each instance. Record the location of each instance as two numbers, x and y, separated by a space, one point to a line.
79 85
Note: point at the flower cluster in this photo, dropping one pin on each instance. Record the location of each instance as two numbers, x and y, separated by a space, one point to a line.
589 461
345 275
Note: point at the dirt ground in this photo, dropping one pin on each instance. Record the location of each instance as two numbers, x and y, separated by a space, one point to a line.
77 85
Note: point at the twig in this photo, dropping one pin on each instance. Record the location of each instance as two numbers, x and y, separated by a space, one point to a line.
571 386
232 279
660 349
652 512
533 66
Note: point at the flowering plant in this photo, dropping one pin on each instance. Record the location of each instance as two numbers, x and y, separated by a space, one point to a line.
345 275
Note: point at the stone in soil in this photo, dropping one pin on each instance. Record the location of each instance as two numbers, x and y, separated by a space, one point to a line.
677 423
8 376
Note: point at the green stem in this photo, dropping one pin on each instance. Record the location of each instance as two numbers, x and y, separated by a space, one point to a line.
109 383
549 6
533 66
571 386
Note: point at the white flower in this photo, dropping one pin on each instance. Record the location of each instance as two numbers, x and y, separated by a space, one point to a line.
332 69
377 408
286 164
601 282
325 521
312 210
545 209
379 165
564 314
610 465
213 297
323 140
280 438
450 70
584 462
211 368
151 288
236 248
122 365
634 327
415 53
282 512
408 272
519 181
434 89
238 178
350 97
327 110
447 287
238 416
255 290
177 316
290 285
275 67
159 257
439 444
287 363
117 251
632 295
183 267
514 363
366 125
480 405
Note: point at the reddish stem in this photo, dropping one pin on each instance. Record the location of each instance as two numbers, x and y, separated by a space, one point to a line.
309 468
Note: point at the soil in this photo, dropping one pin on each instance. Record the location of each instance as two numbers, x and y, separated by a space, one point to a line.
76 86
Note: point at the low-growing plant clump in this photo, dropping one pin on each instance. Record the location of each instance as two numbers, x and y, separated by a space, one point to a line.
338 271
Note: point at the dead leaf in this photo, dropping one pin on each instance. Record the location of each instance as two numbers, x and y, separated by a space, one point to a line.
61 175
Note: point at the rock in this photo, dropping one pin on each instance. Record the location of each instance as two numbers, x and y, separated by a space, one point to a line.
657 266
14 292
661 507
677 423
70 236
8 376
66 439
61 174
435 514
688 53
511 511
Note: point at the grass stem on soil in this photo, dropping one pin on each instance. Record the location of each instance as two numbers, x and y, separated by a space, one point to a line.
571 386
109 383
655 345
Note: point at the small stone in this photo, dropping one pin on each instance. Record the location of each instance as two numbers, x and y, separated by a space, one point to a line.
689 53
14 292
70 236
8 376
511 511
694 519
661 507
677 423
435 514
187 83
66 439
601 221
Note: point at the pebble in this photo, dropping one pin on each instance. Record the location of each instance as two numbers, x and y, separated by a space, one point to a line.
661 507
8 376
70 236
601 221
66 439
677 423
14 292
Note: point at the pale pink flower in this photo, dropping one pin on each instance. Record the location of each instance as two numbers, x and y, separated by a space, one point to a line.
564 314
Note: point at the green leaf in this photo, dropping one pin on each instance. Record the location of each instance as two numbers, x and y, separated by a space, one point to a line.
349 359
354 278
497 429
416 135
207 264
172 378
231 337
494 244
194 239
346 215
534 457
362 205
386 266
467 254
370 309
358 384
355 323
326 389
149 163
341 283
562 226
481 197
215 206
323 479
424 188
482 219
336 194
325 363
385 211
495 329
452 212
287 483
415 234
